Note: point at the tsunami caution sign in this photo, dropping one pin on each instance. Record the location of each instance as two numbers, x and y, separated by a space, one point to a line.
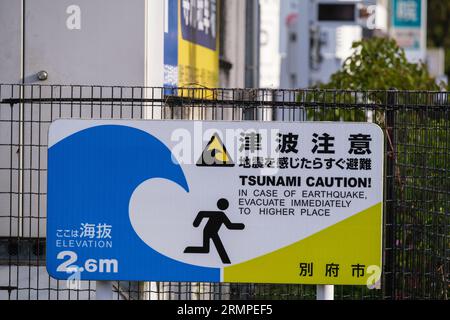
188 201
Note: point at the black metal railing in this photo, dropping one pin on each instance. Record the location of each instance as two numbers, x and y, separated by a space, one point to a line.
417 180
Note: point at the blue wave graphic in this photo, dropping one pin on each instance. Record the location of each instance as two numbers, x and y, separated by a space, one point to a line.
91 177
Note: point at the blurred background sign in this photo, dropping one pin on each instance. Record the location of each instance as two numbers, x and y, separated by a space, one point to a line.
408 27
191 43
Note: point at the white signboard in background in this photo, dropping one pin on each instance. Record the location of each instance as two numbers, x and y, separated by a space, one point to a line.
409 27
215 201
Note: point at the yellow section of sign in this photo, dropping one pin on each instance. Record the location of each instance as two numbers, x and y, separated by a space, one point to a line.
219 152
198 66
348 253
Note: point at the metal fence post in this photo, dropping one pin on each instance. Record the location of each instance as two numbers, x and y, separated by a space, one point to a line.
325 292
389 261
103 290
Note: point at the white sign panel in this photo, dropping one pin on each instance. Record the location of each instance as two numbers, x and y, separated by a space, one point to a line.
215 201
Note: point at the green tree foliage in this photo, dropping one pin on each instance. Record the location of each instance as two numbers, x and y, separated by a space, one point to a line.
379 64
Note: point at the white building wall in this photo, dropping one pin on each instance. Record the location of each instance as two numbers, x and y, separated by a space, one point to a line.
234 44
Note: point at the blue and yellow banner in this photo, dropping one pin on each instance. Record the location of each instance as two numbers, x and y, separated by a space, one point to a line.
191 44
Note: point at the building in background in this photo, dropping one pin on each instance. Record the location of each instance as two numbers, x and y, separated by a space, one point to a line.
239 44
305 41
335 26
436 64
294 43
143 43
270 46
285 45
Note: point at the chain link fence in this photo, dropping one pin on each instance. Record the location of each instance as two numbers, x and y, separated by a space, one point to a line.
417 180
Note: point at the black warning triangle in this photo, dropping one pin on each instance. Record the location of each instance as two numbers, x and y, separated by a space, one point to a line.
215 154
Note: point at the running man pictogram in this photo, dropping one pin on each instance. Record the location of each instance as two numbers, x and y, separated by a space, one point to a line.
211 231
